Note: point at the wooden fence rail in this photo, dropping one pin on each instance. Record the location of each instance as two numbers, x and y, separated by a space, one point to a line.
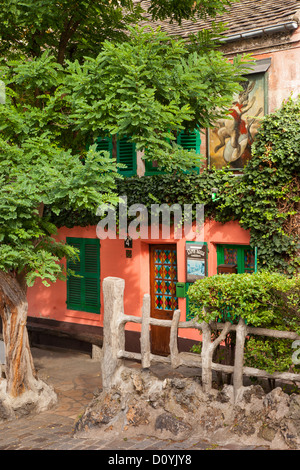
114 341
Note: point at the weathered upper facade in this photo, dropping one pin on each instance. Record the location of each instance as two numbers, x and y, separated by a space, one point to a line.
269 31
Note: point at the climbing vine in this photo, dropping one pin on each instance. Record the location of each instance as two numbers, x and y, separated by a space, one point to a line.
266 199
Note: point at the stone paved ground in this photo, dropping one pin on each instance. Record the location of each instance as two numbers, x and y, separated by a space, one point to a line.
75 377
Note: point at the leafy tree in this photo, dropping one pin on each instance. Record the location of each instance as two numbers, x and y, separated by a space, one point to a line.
72 29
149 88
36 170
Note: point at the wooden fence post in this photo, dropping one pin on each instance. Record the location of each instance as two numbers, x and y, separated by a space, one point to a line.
113 330
208 348
206 355
175 361
145 332
241 331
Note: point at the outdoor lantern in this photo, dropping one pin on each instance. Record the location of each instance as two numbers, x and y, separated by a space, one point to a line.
128 242
214 192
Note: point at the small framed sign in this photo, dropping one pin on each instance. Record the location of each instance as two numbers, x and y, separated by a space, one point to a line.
196 255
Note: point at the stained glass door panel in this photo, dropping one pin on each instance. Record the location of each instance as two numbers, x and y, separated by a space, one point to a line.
163 278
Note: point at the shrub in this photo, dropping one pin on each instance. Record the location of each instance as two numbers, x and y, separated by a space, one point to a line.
263 299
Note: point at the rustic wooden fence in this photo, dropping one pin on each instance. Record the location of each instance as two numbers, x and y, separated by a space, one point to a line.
114 341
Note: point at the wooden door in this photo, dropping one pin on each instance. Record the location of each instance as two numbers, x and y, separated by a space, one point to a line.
163 278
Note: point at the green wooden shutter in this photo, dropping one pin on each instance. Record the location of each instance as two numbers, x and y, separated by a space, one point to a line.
74 283
83 293
190 141
104 143
126 154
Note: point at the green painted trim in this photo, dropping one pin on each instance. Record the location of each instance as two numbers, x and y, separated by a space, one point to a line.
120 158
188 284
240 255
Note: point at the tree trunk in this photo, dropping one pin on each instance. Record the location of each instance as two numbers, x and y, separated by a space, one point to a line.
66 35
20 371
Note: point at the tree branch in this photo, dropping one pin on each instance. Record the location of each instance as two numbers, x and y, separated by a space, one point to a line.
67 33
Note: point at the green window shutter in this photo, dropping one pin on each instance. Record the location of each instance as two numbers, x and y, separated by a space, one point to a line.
126 154
220 255
83 293
104 143
190 141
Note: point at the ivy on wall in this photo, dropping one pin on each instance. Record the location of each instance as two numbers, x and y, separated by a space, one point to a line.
265 199
158 189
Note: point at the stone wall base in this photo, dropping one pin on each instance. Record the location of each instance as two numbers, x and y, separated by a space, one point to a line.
140 403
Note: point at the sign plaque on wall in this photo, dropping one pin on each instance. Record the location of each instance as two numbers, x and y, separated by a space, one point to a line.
195 261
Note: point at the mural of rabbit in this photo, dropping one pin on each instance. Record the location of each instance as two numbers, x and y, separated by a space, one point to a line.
237 132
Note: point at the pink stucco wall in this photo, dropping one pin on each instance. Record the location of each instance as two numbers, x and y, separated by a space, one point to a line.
283 76
50 302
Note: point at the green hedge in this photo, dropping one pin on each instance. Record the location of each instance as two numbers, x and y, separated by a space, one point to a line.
263 299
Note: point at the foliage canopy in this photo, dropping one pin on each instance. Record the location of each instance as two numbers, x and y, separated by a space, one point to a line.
149 88
38 169
73 29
